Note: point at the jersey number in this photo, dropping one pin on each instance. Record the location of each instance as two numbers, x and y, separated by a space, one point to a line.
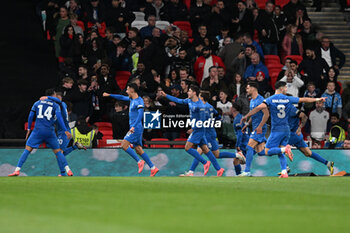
282 113
47 113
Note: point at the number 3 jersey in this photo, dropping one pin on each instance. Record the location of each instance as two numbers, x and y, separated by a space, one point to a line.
45 112
280 106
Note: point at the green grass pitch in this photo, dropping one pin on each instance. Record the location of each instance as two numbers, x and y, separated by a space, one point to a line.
174 204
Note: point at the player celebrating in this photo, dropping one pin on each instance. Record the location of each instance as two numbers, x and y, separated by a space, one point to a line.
257 140
280 105
242 137
296 138
197 137
44 131
210 135
63 140
134 136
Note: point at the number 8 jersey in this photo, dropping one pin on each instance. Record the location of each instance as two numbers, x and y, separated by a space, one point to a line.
45 112
280 106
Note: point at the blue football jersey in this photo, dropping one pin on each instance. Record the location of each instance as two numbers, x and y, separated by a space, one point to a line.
256 118
45 112
64 113
294 119
242 138
280 106
135 105
210 112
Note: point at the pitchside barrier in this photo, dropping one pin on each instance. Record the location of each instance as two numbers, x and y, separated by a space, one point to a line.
171 162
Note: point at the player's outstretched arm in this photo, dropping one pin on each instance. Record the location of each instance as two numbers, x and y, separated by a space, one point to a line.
311 100
118 97
174 99
254 111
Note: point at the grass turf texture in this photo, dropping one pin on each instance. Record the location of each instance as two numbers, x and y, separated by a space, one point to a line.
174 204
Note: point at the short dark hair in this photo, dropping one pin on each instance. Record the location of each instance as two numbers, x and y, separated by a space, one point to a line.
253 84
82 82
335 114
252 47
247 34
212 68
133 86
294 62
280 84
59 93
194 88
236 106
205 95
50 92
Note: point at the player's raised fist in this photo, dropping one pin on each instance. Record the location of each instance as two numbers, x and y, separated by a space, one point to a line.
162 93
105 94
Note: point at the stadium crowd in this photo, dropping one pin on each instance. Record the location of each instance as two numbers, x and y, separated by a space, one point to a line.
220 45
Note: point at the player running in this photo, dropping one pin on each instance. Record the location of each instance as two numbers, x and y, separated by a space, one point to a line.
197 137
44 131
257 140
210 134
280 106
134 136
63 140
296 138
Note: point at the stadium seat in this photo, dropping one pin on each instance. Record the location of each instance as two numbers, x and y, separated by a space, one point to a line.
281 3
273 78
140 16
261 3
256 36
273 66
187 3
104 125
294 57
341 87
179 140
109 143
162 25
184 26
122 78
159 146
81 24
272 59
139 24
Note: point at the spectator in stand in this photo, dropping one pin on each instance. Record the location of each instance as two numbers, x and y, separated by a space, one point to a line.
346 93
291 8
220 17
336 133
346 144
157 8
183 73
74 7
182 61
318 122
298 19
177 11
308 34
184 41
243 60
332 76
185 85
82 101
244 22
146 31
66 88
83 73
268 31
121 60
230 52
292 43
212 83
313 67
333 102
94 55
204 62
133 34
199 12
106 81
311 92
255 67
225 105
118 17
120 120
60 22
236 87
223 35
203 36
174 77
293 83
330 53
96 13
98 105
250 4
346 115
69 44
280 20
73 21
284 68
264 88
247 40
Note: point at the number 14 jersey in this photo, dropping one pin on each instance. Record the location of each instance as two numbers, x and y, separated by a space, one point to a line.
280 106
